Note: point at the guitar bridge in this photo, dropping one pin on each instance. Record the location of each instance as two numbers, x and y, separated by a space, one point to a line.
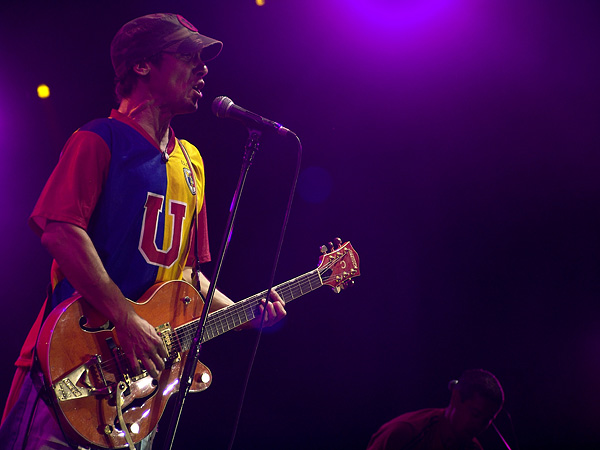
169 340
77 384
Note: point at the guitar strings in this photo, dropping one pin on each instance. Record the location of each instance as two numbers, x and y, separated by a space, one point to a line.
240 312
226 317
224 320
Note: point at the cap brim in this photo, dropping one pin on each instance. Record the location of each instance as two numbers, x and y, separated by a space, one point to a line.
209 48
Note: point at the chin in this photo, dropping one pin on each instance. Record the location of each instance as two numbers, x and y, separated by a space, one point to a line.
188 109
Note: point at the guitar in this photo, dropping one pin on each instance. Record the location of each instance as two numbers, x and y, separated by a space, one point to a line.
98 401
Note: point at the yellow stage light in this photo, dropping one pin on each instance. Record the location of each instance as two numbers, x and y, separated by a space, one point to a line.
43 91
260 2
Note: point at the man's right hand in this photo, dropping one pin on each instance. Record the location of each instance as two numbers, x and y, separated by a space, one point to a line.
140 342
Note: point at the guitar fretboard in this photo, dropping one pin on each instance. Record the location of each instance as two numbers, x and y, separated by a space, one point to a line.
226 319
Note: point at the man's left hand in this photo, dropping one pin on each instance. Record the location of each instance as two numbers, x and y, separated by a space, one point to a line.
275 311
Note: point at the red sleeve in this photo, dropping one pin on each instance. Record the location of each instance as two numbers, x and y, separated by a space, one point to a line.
71 192
203 248
25 358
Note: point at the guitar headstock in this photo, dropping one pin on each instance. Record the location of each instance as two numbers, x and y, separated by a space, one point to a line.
338 265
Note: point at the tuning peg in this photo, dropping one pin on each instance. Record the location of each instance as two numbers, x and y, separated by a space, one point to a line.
330 246
338 242
323 249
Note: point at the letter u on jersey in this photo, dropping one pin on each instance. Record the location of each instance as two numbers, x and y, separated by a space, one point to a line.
152 254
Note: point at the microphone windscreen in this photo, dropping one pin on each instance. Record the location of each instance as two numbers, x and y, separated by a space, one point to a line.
221 105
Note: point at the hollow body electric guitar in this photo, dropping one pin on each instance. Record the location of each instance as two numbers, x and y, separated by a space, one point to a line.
99 401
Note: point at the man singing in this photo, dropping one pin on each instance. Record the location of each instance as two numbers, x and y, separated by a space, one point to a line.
119 211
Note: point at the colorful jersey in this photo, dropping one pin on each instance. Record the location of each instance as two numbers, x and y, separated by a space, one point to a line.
112 180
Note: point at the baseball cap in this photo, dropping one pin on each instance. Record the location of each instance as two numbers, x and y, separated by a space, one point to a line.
151 34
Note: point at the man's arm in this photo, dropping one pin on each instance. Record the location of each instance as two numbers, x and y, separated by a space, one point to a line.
78 260
394 435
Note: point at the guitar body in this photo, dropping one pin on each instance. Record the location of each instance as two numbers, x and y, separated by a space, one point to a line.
96 396
84 372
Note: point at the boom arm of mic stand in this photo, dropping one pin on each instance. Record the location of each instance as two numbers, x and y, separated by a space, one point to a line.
192 358
501 437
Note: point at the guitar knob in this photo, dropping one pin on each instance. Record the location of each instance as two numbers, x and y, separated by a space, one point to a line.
323 249
338 242
330 245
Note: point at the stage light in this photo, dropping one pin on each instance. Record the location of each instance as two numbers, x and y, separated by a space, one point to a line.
260 2
43 91
399 16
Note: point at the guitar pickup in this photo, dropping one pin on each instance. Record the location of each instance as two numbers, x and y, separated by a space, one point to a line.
170 342
77 383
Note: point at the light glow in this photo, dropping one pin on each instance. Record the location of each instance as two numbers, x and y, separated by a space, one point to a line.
399 16
43 91
170 388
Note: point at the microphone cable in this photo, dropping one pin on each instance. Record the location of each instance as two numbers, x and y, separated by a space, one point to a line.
271 282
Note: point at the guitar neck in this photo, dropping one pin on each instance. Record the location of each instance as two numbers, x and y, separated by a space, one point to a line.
239 313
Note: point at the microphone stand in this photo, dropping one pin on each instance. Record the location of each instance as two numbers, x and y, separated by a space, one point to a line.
501 437
192 358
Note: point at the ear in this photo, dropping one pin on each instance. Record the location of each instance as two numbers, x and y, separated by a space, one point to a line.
455 397
142 68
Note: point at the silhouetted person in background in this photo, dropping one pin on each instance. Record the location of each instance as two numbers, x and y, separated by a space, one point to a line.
476 399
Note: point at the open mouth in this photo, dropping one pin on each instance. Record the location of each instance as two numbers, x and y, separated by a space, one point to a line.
196 90
197 87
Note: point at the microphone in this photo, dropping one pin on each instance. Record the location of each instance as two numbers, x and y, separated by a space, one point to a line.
224 108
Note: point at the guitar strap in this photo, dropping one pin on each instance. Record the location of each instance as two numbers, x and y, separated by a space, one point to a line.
194 226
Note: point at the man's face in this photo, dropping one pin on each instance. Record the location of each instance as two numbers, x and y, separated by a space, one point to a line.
176 82
470 417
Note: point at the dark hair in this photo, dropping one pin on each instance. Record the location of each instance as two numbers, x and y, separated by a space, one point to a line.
124 85
482 382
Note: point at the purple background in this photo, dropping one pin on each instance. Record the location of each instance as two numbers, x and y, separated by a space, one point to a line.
455 143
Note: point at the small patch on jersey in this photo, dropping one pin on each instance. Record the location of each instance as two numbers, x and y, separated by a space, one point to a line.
189 180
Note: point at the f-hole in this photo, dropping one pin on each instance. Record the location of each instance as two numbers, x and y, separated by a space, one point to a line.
106 326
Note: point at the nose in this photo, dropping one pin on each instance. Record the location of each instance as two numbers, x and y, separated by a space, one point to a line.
201 70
